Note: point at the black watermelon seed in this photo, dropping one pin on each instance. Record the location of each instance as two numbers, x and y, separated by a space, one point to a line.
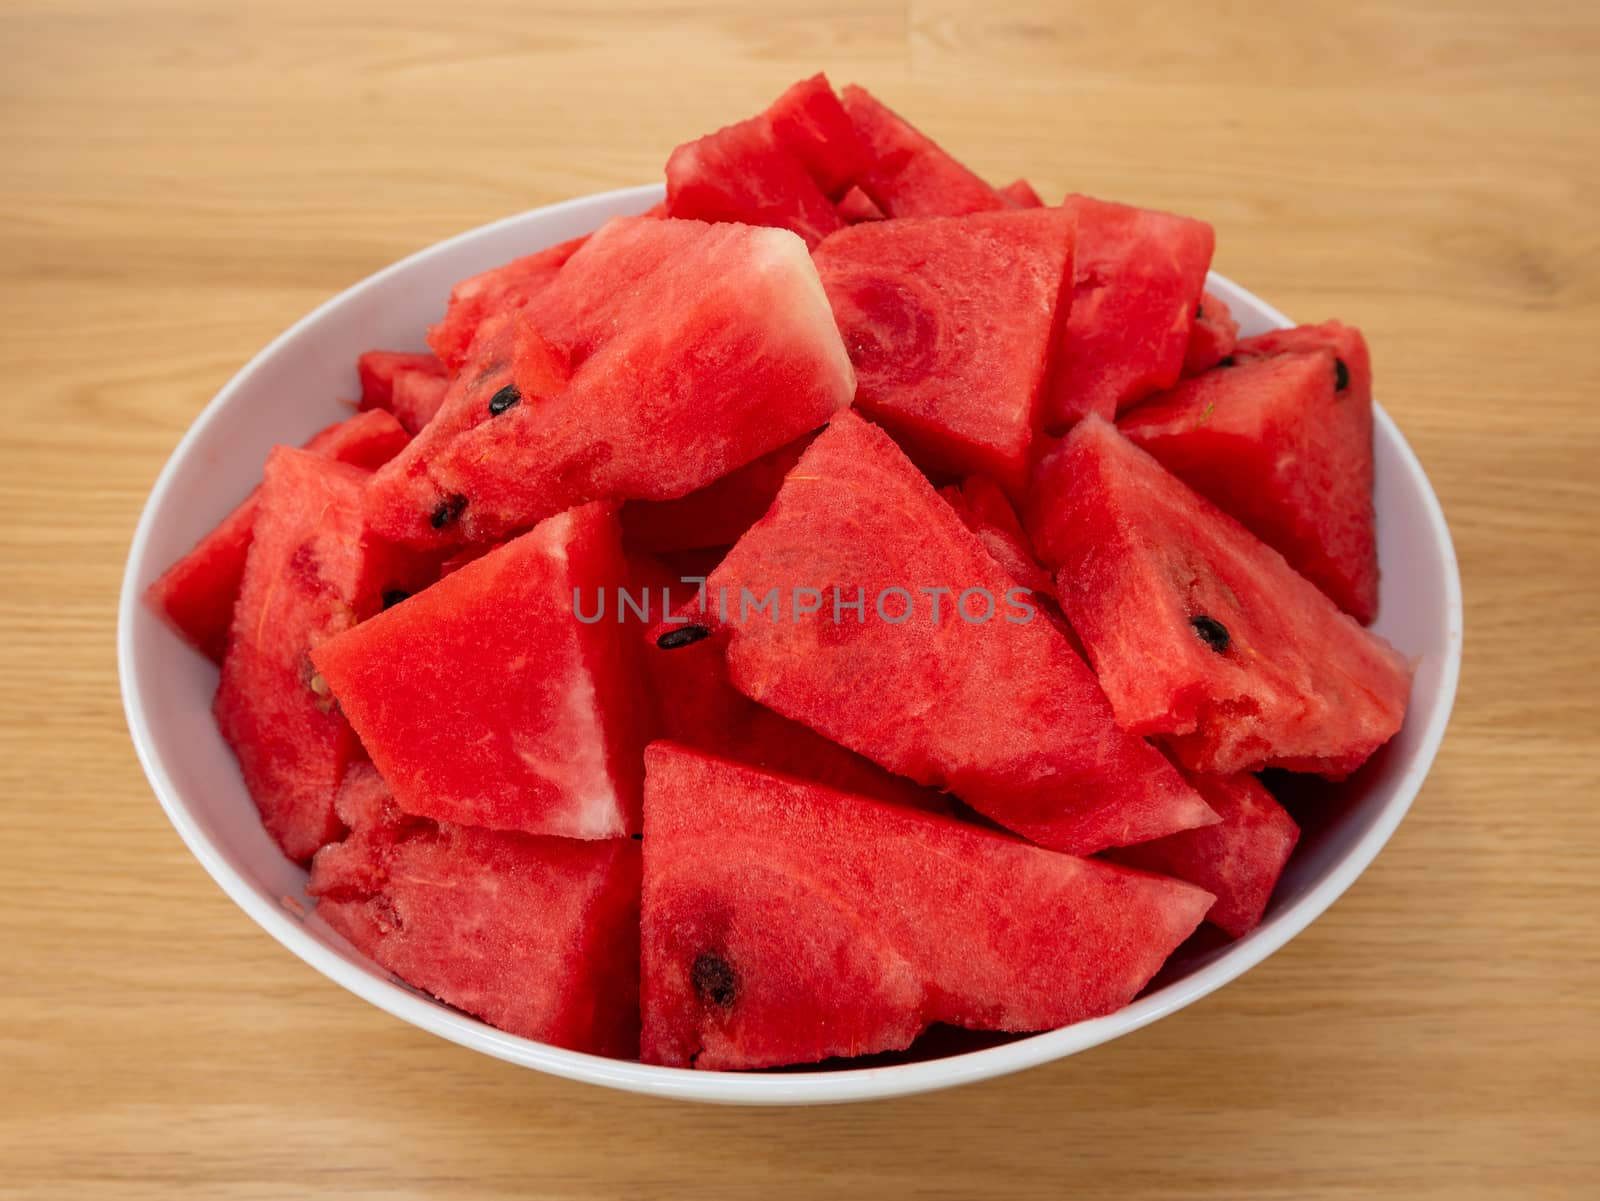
682 636
449 509
637 837
1341 375
393 596
1199 312
714 980
1211 632
1227 362
507 398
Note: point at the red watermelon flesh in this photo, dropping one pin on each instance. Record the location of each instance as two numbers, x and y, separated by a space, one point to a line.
785 922
1000 712
1139 278
986 510
743 173
855 206
378 370
719 513
694 349
949 322
811 124
196 595
417 398
485 701
502 289
1019 193
1200 632
1212 337
1275 443
911 175
538 936
1238 860
311 573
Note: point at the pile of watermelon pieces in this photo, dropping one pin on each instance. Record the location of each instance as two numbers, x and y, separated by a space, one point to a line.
847 599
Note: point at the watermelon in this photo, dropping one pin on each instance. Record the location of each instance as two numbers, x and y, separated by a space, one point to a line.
1238 860
486 701
719 513
311 573
810 123
417 398
855 206
985 509
501 289
1198 631
196 595
1139 279
539 936
785 922
1212 337
949 322
692 349
379 369
999 711
911 175
1279 445
1019 193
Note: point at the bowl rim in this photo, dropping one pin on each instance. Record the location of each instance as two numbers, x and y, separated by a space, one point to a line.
792 1087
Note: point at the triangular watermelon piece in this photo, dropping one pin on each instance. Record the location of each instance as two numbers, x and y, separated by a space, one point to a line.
719 513
501 289
911 175
784 922
1213 336
417 398
1200 632
855 206
485 700
950 322
999 711
378 369
1238 860
811 124
311 573
692 349
1277 444
1019 193
1139 277
196 595
986 510
537 936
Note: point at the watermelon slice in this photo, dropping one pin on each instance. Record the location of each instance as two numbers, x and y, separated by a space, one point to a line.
502 289
1238 860
486 701
1278 445
692 349
811 124
1000 711
196 595
417 398
1139 279
311 573
911 175
1019 193
986 510
378 369
1212 337
785 922
949 322
1198 631
719 513
539 936
855 206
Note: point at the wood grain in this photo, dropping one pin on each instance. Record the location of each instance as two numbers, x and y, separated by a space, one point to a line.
183 179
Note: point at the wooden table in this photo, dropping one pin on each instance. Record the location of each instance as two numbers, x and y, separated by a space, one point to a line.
183 179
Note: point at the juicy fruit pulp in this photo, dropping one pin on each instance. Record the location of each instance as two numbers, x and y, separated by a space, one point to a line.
1277 444
539 936
483 701
910 175
1000 712
1198 631
666 354
785 922
949 322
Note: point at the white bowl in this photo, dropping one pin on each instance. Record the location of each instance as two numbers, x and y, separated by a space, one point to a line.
292 388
